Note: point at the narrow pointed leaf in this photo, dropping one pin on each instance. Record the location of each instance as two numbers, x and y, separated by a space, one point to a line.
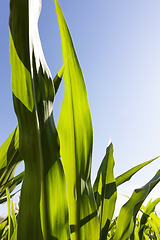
13 216
127 175
107 195
151 206
128 212
76 137
14 223
43 212
9 213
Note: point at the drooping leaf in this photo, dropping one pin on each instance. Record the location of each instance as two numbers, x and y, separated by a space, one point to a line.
127 175
129 210
76 137
43 212
105 191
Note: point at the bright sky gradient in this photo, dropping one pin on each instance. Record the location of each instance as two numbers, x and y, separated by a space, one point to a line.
118 47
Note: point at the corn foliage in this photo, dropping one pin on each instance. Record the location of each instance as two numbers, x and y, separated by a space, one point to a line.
57 200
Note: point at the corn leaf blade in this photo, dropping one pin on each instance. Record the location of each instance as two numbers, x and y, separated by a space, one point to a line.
75 131
105 191
127 175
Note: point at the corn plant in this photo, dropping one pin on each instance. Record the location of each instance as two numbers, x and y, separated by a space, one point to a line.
57 198
149 223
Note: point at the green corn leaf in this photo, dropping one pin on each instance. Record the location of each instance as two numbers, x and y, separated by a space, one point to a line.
154 223
4 199
76 137
105 191
155 218
3 224
14 223
128 212
148 210
135 235
14 235
11 184
127 175
151 206
16 181
9 151
13 216
9 213
9 148
43 212
3 229
9 159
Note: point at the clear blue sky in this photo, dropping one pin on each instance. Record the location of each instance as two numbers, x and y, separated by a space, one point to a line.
118 47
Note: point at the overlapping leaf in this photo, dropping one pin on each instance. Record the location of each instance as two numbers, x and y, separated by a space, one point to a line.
43 194
10 157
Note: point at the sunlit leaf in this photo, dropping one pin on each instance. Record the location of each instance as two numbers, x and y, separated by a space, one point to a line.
127 175
76 139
